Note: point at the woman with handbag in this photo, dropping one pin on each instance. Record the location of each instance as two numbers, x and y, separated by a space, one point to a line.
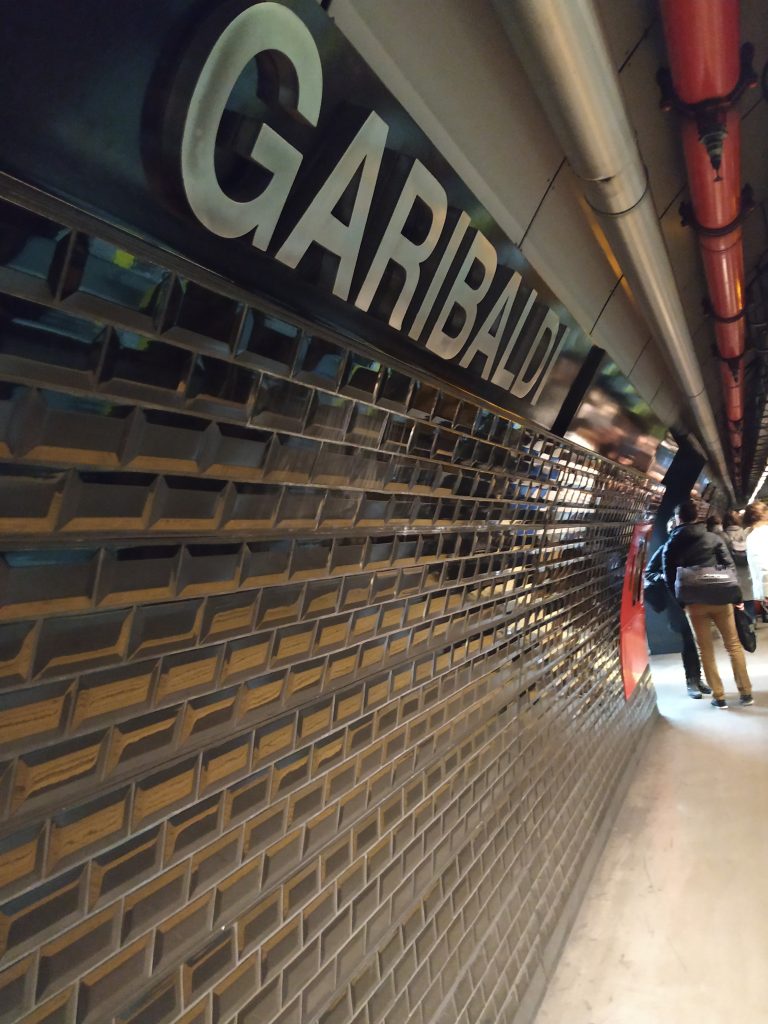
699 571
736 539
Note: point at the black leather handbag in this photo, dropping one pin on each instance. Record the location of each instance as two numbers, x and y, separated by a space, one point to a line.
707 584
745 627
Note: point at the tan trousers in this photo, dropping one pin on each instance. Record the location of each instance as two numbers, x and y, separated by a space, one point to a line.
701 617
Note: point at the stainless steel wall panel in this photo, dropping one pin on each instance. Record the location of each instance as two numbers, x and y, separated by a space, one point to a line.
292 645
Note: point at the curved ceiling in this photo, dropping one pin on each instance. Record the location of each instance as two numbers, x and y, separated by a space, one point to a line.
635 36
445 70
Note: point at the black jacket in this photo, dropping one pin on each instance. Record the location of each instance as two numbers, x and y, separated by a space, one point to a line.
655 565
692 544
655 593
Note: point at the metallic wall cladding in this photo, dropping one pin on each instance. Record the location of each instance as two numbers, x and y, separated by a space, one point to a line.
311 696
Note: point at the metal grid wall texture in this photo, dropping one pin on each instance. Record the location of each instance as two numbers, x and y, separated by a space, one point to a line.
311 698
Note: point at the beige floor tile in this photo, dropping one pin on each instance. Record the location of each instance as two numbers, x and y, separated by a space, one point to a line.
674 927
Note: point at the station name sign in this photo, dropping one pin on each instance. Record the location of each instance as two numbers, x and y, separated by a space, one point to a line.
345 203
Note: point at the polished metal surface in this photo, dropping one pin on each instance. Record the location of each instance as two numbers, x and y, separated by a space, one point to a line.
310 684
562 48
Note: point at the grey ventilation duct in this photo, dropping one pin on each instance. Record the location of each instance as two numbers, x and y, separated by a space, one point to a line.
562 47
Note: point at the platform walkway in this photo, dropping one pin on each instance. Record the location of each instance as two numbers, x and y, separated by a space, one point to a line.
674 926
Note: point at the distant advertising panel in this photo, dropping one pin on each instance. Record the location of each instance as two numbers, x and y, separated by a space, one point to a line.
663 458
702 488
614 421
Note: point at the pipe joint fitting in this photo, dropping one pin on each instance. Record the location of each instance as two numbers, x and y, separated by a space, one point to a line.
710 114
734 363
709 311
688 216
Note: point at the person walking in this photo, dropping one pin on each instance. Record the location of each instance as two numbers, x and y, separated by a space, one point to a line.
692 545
678 623
755 519
736 539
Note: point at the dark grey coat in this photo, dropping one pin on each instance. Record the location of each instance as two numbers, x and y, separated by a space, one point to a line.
693 544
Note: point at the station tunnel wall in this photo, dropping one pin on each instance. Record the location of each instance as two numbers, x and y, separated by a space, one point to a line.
311 688
311 701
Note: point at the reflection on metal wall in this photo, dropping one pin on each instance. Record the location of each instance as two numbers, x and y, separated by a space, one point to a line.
311 684
634 646
616 422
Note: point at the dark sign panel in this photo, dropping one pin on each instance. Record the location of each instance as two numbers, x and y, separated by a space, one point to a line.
253 140
614 421
663 459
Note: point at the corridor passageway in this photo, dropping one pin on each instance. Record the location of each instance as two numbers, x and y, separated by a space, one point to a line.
673 928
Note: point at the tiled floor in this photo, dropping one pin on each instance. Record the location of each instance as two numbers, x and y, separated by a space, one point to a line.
674 927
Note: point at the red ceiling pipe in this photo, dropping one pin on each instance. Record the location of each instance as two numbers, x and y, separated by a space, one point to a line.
708 74
703 44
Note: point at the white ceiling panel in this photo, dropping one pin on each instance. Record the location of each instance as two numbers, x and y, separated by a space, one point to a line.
692 297
648 373
620 329
681 243
754 169
754 29
683 248
670 408
754 149
703 343
453 69
567 248
755 235
658 134
625 25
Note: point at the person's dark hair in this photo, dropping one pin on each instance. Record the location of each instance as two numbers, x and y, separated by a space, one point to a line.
714 521
755 513
732 518
687 511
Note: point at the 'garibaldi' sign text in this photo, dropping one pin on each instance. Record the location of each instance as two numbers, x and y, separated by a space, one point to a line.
510 339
